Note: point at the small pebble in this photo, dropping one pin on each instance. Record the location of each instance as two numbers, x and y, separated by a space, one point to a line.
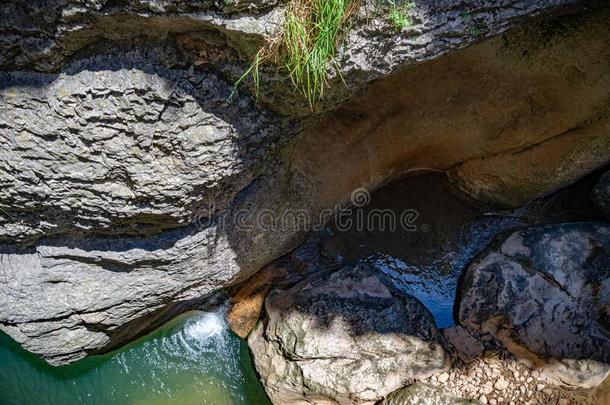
483 399
501 384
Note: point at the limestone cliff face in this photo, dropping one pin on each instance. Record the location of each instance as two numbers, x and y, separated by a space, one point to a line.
121 158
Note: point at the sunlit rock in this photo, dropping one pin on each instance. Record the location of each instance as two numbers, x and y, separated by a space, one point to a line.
344 337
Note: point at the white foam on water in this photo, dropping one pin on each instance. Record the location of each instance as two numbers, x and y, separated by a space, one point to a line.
206 326
200 339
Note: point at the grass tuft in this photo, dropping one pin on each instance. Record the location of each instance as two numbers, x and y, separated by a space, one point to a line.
305 45
398 15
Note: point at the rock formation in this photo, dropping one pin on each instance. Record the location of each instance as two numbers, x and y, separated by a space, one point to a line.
344 337
124 169
247 298
543 293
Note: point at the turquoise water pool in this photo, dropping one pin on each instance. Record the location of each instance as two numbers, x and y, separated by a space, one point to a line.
194 359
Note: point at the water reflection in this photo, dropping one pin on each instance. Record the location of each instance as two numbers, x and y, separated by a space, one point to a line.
435 283
427 263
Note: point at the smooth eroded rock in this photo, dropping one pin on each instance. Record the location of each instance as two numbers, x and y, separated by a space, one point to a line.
513 179
544 293
344 337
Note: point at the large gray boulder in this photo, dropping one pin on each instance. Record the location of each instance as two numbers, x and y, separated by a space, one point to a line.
344 337
544 293
123 167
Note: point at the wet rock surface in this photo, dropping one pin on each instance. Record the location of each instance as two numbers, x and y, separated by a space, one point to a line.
543 293
443 235
463 344
344 337
481 367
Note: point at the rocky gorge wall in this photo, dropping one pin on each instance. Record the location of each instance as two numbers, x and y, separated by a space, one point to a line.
121 158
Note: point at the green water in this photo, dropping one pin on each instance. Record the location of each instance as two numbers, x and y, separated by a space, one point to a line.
194 359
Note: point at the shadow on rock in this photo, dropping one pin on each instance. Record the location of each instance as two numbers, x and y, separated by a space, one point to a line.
346 336
544 293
